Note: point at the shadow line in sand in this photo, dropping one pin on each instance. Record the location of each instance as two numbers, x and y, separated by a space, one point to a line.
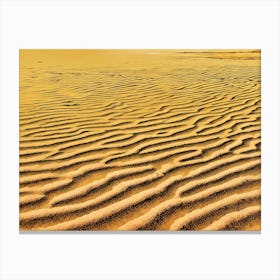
112 232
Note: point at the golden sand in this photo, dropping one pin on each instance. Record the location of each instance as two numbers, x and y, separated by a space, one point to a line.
140 140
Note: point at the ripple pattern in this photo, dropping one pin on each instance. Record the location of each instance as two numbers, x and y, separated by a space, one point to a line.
140 140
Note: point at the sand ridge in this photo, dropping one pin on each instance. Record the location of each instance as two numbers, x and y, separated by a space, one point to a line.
140 140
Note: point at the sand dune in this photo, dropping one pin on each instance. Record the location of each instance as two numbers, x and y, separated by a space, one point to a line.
140 140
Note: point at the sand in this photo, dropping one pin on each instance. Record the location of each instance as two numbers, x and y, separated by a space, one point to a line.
140 140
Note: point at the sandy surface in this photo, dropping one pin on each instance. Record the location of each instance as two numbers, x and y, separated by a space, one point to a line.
140 140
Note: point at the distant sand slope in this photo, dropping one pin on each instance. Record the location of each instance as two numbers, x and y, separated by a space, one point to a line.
140 140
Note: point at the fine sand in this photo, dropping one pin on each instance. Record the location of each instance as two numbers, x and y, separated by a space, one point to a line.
140 140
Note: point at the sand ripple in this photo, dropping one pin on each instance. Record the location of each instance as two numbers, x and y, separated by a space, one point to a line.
130 140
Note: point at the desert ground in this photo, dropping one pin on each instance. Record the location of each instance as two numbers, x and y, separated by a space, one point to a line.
140 140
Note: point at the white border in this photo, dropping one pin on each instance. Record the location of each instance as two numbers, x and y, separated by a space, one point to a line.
140 24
